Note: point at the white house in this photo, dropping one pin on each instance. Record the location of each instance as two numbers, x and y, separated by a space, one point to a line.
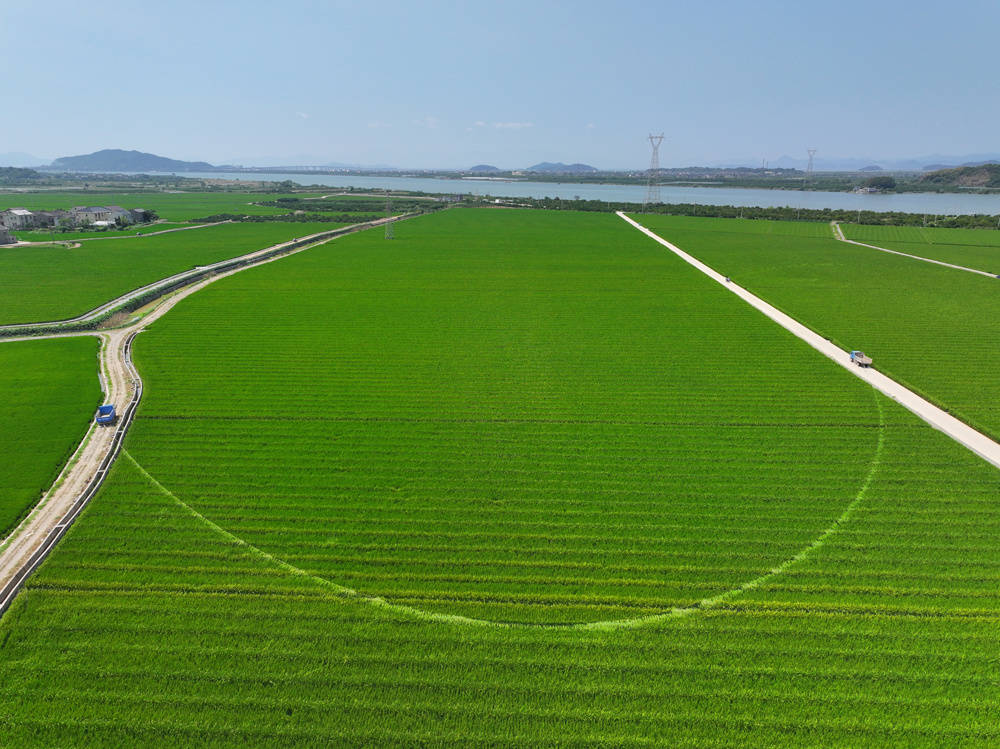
17 218
89 215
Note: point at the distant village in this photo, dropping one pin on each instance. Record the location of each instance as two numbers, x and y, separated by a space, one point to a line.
81 217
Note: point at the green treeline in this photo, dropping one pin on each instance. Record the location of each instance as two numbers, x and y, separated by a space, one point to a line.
785 213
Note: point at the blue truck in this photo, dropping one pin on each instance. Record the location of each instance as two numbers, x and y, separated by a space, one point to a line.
859 358
106 414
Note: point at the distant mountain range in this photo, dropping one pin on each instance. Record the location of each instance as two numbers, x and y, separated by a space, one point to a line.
116 160
976 175
849 164
548 167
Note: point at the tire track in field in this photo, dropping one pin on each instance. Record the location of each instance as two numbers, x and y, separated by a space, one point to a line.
679 612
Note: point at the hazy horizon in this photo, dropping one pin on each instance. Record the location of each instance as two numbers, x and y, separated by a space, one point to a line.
449 85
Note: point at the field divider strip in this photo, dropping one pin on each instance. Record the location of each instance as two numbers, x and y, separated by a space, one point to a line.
839 234
938 418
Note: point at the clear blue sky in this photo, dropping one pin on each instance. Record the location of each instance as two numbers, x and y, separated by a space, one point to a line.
507 82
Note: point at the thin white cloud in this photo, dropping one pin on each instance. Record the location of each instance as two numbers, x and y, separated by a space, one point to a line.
378 124
512 125
479 123
303 115
591 125
429 122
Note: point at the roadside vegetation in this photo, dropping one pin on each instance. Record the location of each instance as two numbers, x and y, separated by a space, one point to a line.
533 418
50 390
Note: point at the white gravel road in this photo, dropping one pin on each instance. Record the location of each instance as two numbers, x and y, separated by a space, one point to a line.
959 431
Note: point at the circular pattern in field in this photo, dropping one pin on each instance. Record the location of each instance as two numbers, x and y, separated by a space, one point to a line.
528 522
513 417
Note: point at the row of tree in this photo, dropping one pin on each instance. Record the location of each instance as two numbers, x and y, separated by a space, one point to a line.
825 215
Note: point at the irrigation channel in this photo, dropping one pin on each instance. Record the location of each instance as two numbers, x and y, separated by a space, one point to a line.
31 541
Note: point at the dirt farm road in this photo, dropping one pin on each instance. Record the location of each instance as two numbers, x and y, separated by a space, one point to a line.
30 542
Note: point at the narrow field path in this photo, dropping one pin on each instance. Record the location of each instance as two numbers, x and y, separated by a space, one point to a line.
31 541
170 282
155 233
838 233
941 420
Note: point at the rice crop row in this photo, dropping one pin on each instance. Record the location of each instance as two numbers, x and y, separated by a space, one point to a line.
931 328
54 283
50 391
539 418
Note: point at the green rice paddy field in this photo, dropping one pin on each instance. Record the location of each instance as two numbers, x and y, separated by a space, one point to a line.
50 391
973 248
54 283
41 235
931 328
511 478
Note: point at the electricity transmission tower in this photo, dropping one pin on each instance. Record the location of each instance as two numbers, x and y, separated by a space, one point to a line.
388 214
809 168
652 186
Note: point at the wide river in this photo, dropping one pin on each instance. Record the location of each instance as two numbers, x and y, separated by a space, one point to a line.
930 203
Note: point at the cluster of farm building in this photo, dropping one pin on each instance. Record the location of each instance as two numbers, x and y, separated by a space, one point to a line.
21 219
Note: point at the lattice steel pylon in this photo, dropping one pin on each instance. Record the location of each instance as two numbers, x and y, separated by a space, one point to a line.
652 186
809 166
388 214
